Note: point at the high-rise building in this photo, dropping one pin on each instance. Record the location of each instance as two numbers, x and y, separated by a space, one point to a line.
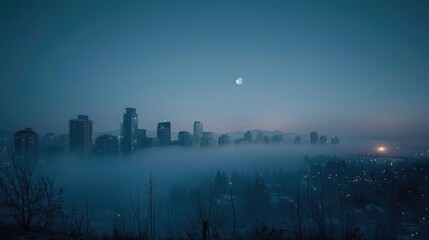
335 140
26 145
106 144
80 130
314 137
323 139
51 144
141 138
208 139
163 133
185 138
198 133
48 141
64 141
223 140
129 130
6 145
248 137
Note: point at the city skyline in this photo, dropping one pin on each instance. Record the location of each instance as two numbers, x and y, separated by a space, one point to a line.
243 119
358 70
190 128
26 143
131 117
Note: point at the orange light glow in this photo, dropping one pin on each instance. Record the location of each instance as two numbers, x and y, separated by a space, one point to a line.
382 149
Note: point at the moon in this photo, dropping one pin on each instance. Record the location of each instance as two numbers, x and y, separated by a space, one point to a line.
239 81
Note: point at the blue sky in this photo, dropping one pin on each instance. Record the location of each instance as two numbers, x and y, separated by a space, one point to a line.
347 68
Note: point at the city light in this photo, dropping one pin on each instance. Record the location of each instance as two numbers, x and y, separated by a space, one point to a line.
382 149
130 120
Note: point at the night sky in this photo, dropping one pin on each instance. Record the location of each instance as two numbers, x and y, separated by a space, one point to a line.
348 68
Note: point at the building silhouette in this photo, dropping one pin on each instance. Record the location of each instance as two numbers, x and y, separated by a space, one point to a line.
80 131
51 144
185 138
314 137
198 133
65 141
129 130
106 144
248 137
141 138
297 140
26 145
163 133
223 140
6 145
208 139
48 141
323 140
335 140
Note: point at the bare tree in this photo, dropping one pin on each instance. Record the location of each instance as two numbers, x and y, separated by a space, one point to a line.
137 215
233 209
208 215
27 200
169 218
316 187
329 204
151 194
296 209
53 201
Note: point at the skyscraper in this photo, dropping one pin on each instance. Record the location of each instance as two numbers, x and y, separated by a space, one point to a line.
26 145
51 144
80 130
323 139
65 141
6 145
198 133
106 144
141 138
185 138
129 130
335 140
163 133
208 139
314 137
48 141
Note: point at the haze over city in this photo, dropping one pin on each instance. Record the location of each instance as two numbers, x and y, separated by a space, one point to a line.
357 70
212 120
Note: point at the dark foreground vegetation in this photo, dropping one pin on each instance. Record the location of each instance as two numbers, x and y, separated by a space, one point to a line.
325 198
